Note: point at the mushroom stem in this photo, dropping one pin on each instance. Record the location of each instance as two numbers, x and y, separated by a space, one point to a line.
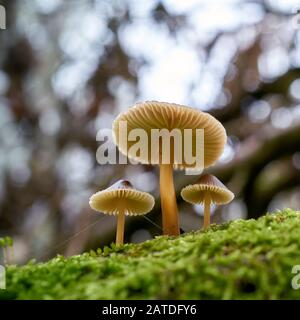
120 228
168 201
207 202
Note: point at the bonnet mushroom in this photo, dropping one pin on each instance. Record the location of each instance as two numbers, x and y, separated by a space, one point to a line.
209 190
152 115
122 199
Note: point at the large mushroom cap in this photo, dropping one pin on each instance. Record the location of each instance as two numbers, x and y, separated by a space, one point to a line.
161 115
122 197
195 193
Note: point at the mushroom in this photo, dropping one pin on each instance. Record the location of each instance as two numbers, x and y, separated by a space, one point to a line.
122 199
160 115
209 190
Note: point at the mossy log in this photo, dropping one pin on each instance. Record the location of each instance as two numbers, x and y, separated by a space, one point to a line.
243 259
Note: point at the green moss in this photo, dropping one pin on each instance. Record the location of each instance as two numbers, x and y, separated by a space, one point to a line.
243 259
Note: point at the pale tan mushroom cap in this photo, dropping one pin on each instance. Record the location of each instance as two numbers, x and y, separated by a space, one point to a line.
117 198
161 115
195 193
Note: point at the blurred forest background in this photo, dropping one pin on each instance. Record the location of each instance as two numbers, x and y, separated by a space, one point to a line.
67 68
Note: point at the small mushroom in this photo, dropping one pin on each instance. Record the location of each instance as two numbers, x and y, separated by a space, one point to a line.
122 199
161 115
209 190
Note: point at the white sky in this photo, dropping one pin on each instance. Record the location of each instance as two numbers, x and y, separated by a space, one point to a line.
177 65
177 69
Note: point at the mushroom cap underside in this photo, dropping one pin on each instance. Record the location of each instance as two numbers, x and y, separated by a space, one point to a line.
175 119
196 193
131 202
